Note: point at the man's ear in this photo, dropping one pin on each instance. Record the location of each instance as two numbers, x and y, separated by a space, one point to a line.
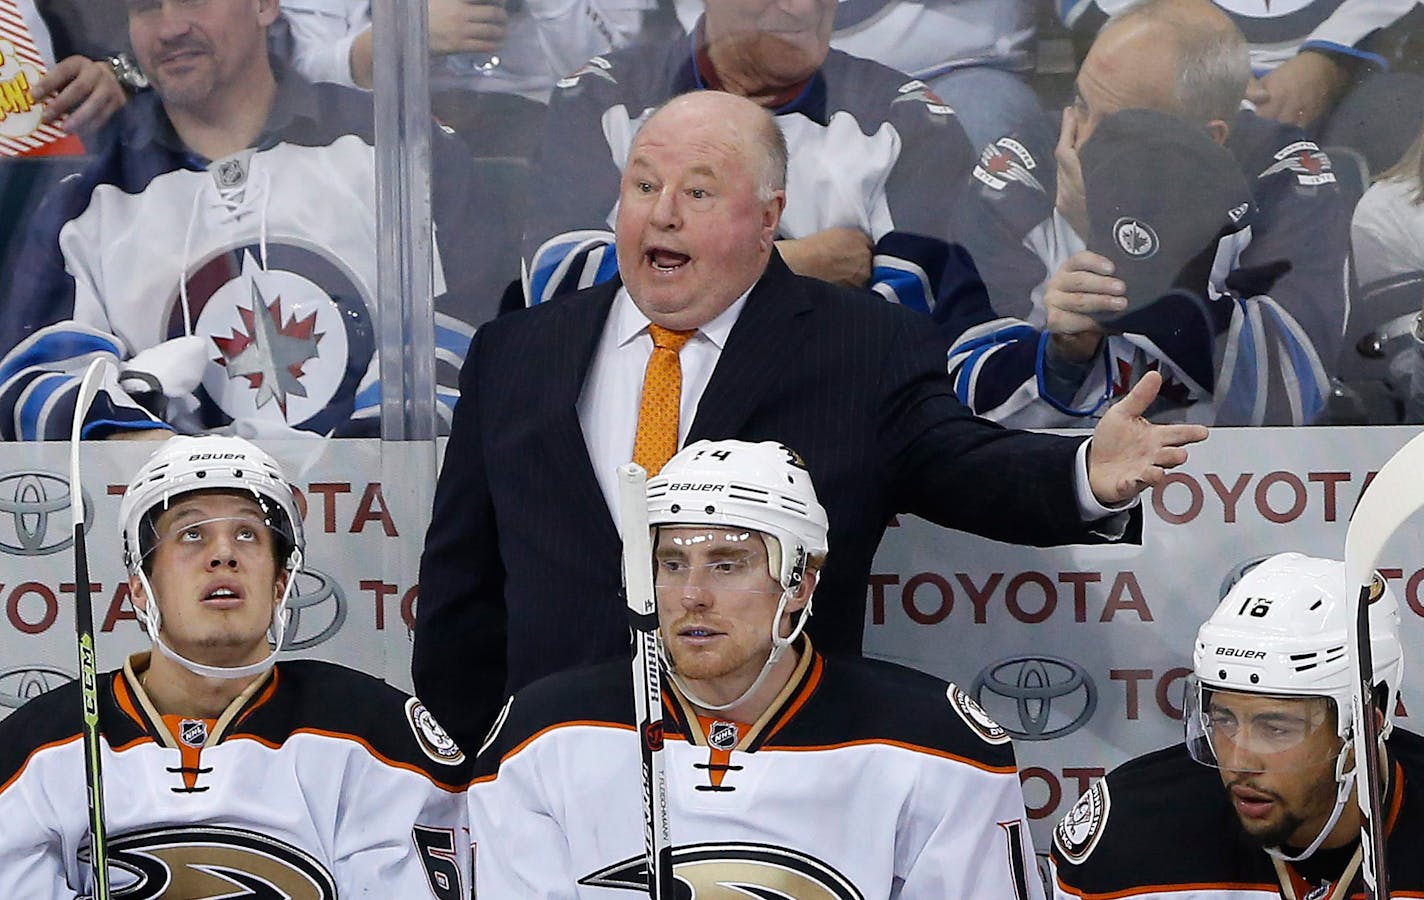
267 12
804 590
138 597
771 218
1218 130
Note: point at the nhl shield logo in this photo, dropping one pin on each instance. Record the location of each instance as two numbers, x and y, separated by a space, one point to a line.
723 735
193 732
231 172
1135 237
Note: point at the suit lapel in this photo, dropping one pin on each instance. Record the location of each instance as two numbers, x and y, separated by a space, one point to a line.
767 334
576 337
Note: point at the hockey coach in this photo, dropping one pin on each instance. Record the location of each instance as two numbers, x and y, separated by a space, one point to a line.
1260 800
706 334
788 773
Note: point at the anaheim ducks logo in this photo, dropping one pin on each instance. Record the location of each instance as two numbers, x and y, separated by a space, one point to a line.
734 871
214 863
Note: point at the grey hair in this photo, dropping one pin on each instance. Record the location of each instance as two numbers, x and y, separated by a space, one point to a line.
774 153
1213 60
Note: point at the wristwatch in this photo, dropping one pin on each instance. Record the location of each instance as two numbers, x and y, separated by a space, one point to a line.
127 73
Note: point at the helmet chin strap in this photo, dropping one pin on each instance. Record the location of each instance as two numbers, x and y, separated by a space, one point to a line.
153 620
1345 782
779 646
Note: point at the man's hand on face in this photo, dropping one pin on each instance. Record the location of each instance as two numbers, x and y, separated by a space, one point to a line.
838 255
1299 90
466 26
83 89
1081 289
1129 454
1072 202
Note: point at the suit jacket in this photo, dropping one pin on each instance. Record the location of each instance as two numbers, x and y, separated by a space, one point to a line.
521 571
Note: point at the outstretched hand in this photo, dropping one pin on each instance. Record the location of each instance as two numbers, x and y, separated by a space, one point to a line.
1129 454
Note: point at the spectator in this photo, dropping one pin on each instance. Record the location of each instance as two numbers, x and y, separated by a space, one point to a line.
1312 67
771 747
1237 218
224 251
520 574
494 69
970 53
876 162
1261 798
222 768
1385 340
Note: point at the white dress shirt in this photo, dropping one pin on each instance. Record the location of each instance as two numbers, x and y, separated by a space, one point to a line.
613 391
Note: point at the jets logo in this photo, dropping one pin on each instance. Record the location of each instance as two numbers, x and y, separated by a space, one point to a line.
1004 161
288 341
735 871
214 863
1304 160
1135 237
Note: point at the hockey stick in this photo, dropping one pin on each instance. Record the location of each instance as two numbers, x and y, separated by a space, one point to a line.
647 676
84 631
1395 494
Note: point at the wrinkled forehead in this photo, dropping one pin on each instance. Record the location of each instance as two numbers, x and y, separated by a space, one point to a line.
197 506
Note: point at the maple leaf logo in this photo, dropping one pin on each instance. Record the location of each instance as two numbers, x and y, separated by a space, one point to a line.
271 354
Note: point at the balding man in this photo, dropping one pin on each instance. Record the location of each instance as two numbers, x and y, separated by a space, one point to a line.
876 160
1161 184
520 575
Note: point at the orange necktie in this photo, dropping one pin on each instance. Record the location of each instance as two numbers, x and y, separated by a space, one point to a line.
662 395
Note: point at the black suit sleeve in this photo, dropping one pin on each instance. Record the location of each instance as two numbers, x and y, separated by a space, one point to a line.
459 662
967 473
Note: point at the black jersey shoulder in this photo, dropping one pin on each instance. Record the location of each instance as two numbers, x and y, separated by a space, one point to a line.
56 716
1112 839
868 701
326 698
598 694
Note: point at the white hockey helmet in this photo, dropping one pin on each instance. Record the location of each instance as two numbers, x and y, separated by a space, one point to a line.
762 487
738 484
1283 629
182 465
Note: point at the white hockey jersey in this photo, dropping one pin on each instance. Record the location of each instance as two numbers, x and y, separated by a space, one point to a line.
863 780
317 783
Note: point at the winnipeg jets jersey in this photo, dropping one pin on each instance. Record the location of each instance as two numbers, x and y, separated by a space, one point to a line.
266 258
1274 293
318 782
1162 826
869 149
863 780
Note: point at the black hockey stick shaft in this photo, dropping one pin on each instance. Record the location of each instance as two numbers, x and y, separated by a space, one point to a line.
1395 494
84 634
647 675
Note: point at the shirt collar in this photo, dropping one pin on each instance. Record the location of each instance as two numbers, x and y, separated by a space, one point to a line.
629 321
148 123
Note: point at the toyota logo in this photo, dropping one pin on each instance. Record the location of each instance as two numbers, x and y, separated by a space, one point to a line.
313 591
21 684
28 501
1048 697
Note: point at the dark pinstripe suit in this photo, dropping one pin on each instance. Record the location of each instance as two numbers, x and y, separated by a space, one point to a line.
521 575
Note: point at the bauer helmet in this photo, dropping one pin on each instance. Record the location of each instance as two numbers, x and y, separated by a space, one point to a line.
762 487
182 465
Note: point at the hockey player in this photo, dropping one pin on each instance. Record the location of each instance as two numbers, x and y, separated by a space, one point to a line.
1260 799
789 774
226 774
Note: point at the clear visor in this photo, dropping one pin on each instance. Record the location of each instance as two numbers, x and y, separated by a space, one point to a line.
1243 732
240 537
720 560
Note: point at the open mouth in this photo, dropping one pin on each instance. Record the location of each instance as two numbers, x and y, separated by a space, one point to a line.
1252 804
222 597
666 260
